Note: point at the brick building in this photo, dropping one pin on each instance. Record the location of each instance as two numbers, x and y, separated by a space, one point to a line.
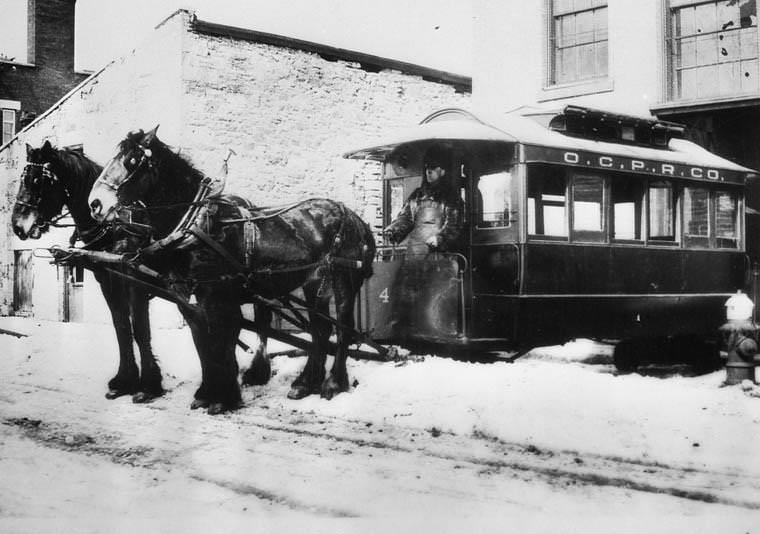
36 60
287 109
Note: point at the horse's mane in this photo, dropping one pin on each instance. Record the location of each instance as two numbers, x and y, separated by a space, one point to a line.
173 185
75 164
176 166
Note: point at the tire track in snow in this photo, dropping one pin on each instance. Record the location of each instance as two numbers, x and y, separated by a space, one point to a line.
490 455
61 437
650 477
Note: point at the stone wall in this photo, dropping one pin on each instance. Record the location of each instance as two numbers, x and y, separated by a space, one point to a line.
287 114
290 114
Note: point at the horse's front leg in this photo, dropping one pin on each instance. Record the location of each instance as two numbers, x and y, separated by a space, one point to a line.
150 372
219 366
345 296
127 378
260 370
313 374
199 330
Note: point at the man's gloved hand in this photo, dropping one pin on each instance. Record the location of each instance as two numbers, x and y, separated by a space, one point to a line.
433 242
389 234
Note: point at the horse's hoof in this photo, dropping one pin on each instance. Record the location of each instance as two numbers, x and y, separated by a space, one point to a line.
216 408
298 392
255 378
199 403
116 393
328 394
331 387
141 397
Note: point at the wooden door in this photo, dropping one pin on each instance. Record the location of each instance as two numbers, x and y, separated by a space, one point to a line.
23 282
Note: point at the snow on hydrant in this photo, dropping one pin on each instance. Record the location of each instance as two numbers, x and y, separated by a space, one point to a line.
740 335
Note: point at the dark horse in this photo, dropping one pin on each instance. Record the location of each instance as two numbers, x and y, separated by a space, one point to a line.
51 179
231 253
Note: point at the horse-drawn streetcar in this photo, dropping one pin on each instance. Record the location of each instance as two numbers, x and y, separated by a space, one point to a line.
512 231
578 223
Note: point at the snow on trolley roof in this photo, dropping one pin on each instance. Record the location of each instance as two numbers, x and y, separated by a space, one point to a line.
453 124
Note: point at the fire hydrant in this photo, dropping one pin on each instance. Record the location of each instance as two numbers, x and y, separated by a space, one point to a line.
740 335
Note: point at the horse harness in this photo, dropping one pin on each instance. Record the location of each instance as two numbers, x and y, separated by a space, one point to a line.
194 227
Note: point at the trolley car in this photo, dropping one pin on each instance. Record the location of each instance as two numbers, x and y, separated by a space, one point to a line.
579 223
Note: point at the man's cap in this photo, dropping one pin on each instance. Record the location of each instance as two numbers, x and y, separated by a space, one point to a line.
436 155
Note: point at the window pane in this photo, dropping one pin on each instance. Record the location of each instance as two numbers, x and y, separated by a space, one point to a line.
588 203
13 30
687 83
729 80
707 50
696 216
546 201
602 61
706 20
627 212
662 221
687 52
8 125
726 220
584 27
748 74
495 199
707 81
397 197
580 42
723 32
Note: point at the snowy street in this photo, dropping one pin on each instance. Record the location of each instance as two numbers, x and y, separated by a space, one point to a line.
548 443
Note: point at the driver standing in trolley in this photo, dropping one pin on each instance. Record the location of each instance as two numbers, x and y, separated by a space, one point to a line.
431 218
430 221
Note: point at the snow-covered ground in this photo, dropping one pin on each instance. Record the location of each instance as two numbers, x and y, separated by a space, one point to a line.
547 444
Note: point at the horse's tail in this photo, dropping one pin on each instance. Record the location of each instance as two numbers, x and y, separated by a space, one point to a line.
362 241
368 248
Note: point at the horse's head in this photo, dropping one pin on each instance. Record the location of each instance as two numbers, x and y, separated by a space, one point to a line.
127 178
41 193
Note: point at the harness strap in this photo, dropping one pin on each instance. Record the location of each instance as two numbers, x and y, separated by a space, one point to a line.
250 231
216 247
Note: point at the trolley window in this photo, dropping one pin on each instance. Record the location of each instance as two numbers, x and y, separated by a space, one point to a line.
710 218
627 198
588 192
399 190
726 219
495 199
547 193
662 213
696 216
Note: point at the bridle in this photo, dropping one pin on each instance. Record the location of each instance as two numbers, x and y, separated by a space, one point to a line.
48 178
145 157
115 186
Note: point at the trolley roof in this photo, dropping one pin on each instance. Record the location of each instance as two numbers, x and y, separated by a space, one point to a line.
453 124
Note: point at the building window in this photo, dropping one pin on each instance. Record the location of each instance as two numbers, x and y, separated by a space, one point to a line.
714 48
578 40
8 125
14 31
